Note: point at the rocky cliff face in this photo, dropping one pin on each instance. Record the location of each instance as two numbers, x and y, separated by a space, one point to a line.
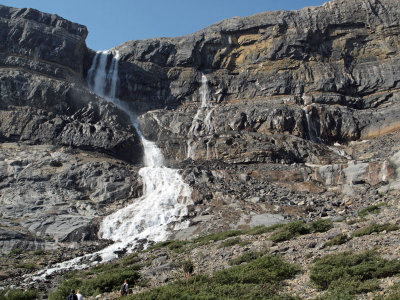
61 145
281 91
275 116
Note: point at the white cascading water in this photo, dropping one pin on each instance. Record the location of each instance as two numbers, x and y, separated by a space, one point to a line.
312 129
384 171
165 196
202 119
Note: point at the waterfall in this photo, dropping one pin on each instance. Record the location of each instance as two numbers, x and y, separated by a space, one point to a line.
384 171
313 131
163 205
165 196
202 121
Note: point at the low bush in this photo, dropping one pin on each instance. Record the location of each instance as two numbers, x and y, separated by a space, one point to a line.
246 257
28 266
217 237
39 252
321 225
375 228
100 279
337 240
259 279
19 295
290 230
350 274
230 242
373 209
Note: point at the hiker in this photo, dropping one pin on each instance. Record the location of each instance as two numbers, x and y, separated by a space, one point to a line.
79 295
124 288
72 296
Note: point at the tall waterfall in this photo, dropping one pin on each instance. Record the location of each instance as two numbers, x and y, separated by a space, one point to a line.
165 196
163 205
202 120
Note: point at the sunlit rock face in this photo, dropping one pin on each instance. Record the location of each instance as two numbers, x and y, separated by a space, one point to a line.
341 57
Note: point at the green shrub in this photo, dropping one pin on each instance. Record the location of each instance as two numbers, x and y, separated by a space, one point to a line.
290 230
371 209
375 228
176 245
332 270
100 279
246 257
159 245
217 237
259 279
16 252
337 240
347 287
19 295
230 242
27 266
321 225
39 252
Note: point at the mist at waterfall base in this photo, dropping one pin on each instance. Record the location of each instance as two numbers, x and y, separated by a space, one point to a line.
162 207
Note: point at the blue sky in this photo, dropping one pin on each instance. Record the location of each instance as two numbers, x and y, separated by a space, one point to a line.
113 22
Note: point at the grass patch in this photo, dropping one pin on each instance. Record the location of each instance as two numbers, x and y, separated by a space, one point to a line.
373 209
259 279
337 240
349 274
19 295
375 228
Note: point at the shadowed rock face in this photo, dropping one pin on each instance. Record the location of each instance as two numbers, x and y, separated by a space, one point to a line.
43 95
61 145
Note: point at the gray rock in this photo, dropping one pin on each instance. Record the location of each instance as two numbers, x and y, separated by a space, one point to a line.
266 220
